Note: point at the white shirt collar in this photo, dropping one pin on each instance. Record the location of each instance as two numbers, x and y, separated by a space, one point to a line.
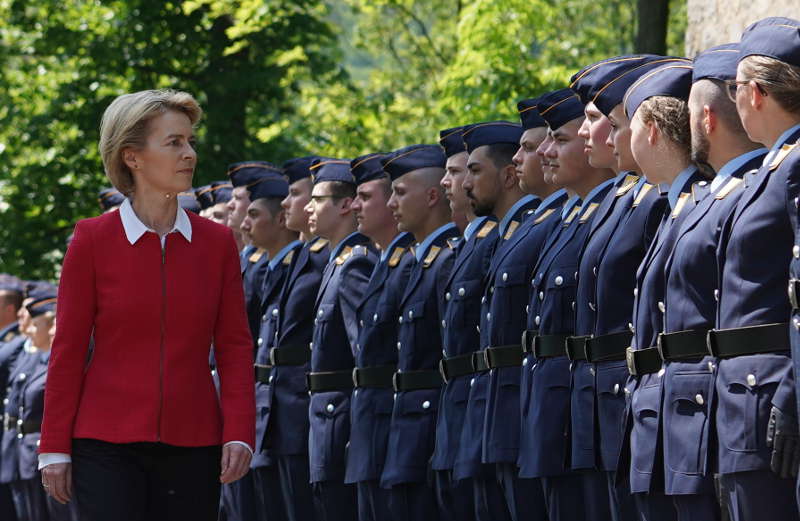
135 228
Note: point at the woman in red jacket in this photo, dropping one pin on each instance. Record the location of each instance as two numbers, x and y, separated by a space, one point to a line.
137 426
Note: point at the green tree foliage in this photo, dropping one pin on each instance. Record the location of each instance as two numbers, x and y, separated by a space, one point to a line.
277 78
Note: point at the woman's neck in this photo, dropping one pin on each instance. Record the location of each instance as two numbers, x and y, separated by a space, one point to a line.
156 210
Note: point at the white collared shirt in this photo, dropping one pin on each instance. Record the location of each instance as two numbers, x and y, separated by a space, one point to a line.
134 229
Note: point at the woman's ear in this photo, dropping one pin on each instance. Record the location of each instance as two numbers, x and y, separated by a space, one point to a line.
653 133
129 158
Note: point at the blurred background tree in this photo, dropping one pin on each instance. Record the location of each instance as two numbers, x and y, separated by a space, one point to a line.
276 78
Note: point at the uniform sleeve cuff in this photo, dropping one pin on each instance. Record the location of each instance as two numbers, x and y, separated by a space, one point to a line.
240 443
50 458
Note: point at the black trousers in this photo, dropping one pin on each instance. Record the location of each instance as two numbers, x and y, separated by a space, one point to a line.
145 481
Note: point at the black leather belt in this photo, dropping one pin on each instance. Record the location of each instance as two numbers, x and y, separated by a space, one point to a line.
576 347
29 427
794 293
263 373
416 380
455 366
643 361
549 346
751 340
290 355
9 422
503 356
329 381
605 348
379 376
528 337
479 362
683 344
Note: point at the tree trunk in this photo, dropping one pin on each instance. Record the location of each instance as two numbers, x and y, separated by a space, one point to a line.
651 34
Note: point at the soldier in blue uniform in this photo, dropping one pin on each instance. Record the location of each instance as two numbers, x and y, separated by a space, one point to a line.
238 499
335 335
756 404
11 352
493 405
452 142
254 259
375 353
420 208
719 140
656 106
265 224
553 286
622 229
28 391
491 166
109 199
291 320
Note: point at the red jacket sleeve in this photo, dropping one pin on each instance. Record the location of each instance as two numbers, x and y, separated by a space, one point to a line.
75 314
233 349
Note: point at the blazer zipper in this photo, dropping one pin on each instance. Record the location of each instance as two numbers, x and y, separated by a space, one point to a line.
161 343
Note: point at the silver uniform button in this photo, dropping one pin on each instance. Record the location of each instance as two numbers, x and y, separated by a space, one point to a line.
264 317
461 292
483 300
400 319
19 436
594 271
316 321
320 313
635 292
661 372
505 277
399 345
275 312
796 251
630 326
488 316
472 382
699 399
527 309
491 289
591 371
524 361
269 380
361 323
411 315
311 345
573 305
716 295
541 295
5 401
358 347
559 280
375 317
22 377
796 322
444 324
616 388
426 404
661 307
260 341
537 319
330 407
711 367
447 296
751 380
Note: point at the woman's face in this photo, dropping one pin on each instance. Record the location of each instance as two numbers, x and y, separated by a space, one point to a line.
166 162
619 138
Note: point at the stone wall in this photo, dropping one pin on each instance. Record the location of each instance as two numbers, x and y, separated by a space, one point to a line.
712 22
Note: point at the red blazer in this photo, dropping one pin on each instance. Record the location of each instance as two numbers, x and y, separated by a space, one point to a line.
153 324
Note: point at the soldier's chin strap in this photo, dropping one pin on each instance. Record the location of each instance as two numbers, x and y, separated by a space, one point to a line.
783 439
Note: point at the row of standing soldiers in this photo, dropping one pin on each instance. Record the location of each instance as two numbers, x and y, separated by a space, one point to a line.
582 316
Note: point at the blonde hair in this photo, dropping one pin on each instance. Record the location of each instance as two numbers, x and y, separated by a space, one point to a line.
779 79
125 125
671 115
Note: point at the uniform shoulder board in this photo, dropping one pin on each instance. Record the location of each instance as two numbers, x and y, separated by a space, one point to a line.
545 215
642 194
395 257
318 245
432 254
256 255
512 227
9 336
588 212
571 217
781 155
729 187
681 203
487 227
346 252
287 259
629 182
